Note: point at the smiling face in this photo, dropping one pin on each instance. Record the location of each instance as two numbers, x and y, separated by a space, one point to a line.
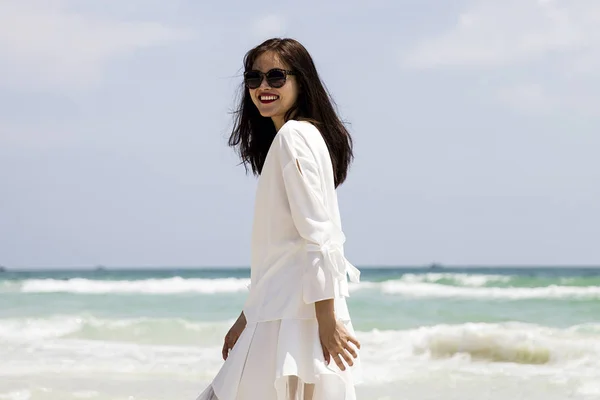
273 102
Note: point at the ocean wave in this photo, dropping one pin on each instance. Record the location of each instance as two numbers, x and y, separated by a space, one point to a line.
457 279
429 285
163 331
429 290
144 286
191 349
510 342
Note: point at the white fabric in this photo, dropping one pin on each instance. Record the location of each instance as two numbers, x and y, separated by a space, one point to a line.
275 360
297 240
297 259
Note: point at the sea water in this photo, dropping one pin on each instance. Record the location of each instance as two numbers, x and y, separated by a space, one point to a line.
449 333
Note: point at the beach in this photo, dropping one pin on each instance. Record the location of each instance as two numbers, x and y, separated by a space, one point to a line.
442 333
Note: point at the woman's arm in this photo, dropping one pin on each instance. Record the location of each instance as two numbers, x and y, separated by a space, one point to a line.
335 338
325 271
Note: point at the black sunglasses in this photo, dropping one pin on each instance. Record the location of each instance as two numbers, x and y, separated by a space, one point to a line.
276 78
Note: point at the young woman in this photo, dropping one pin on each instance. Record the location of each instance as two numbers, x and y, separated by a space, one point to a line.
294 339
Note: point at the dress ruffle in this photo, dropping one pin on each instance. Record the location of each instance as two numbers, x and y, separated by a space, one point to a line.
279 360
325 277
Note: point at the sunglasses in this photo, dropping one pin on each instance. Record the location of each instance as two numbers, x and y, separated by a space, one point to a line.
276 78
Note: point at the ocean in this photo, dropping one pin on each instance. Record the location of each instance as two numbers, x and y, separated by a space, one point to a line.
445 333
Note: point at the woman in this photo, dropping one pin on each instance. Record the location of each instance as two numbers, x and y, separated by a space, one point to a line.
294 339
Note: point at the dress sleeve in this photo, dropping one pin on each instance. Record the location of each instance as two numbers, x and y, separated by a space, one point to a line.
325 273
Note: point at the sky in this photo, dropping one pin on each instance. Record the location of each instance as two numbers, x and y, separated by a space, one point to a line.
476 126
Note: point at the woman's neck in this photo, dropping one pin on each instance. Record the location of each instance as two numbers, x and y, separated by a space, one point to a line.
278 122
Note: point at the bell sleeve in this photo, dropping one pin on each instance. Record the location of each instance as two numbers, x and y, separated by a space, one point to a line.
325 271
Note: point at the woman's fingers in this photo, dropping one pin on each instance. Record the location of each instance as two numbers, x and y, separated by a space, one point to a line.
350 338
225 350
339 362
340 355
349 360
354 341
351 350
337 347
326 355
228 344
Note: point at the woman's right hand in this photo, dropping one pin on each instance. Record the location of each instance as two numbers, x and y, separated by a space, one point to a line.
233 335
335 338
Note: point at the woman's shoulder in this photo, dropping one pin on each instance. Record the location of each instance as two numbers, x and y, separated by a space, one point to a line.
300 139
293 131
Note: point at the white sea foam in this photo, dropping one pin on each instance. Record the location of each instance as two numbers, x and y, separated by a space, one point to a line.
510 342
461 279
147 286
508 349
16 395
508 352
410 285
165 331
416 289
74 356
26 329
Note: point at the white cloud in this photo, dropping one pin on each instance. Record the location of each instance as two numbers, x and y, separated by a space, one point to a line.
270 26
44 44
547 51
495 33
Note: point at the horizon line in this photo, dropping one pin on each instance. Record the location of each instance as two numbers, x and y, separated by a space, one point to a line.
431 266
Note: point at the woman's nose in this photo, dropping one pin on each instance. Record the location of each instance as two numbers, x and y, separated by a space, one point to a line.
264 83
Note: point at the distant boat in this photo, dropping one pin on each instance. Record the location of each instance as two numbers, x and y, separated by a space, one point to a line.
100 268
435 266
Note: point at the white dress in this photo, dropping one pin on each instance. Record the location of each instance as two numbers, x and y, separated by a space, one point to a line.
297 259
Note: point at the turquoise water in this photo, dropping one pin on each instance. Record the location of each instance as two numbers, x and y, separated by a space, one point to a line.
153 334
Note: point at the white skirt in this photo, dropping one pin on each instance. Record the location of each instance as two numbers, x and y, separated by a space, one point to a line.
282 360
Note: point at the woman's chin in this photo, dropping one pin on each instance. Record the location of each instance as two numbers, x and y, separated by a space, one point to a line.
267 113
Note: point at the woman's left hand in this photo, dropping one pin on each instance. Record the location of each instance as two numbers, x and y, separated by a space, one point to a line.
335 342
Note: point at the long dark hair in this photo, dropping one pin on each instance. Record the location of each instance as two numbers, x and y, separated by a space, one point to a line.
253 134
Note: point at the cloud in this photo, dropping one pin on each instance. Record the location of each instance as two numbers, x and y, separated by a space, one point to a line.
544 54
45 44
508 32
